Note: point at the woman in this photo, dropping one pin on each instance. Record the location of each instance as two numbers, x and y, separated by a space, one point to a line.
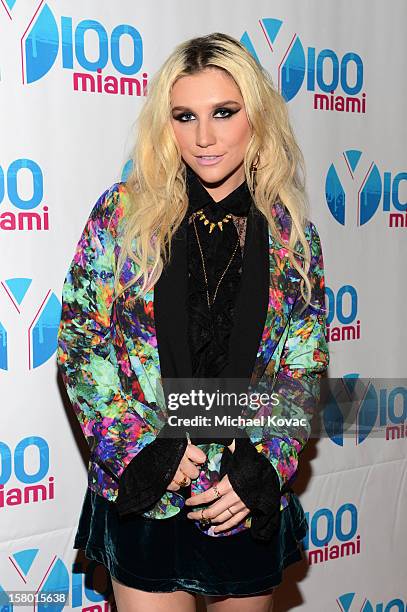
201 265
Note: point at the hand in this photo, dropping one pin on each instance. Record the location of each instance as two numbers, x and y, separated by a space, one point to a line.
217 512
188 466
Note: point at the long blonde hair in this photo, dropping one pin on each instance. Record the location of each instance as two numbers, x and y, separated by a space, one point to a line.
157 183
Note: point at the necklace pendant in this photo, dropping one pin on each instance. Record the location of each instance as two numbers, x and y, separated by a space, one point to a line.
202 217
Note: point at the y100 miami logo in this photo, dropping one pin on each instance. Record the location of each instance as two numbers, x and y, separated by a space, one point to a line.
334 81
41 571
85 49
29 322
359 408
332 534
32 487
19 211
353 602
355 188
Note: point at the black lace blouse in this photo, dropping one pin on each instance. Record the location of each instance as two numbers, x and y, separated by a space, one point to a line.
222 254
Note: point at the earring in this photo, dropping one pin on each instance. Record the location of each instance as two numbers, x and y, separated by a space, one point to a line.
256 162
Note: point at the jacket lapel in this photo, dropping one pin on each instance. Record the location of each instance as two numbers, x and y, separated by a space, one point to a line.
170 313
281 297
275 324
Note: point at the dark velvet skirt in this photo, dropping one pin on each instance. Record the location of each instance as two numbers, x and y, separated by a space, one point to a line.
173 554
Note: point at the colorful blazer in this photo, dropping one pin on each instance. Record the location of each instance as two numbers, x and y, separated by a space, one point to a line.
108 357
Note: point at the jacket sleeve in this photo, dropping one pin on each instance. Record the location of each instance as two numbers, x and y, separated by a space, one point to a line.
300 361
116 425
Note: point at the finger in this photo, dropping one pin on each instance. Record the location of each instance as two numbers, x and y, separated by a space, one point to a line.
209 495
189 468
173 486
226 515
194 453
213 510
178 476
234 520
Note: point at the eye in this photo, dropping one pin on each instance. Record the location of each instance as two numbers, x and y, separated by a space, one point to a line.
181 115
229 112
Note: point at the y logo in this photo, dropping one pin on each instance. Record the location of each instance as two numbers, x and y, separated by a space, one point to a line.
346 600
353 189
27 570
36 39
352 601
288 54
29 323
351 411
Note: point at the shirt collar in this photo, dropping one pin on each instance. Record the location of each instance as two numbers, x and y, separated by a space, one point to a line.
238 202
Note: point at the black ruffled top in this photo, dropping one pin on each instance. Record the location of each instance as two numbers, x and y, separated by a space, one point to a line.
222 251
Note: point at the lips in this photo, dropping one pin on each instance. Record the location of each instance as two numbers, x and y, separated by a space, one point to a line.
208 160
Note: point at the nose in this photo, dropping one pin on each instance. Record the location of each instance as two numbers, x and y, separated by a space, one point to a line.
205 136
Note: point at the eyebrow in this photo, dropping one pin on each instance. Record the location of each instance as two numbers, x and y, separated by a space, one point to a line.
213 106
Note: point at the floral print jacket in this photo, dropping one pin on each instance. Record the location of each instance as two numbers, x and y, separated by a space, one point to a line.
108 358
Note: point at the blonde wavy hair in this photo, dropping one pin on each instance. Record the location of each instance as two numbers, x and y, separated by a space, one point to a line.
157 182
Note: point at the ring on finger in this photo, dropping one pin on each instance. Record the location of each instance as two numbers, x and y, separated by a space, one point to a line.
217 494
183 482
203 520
232 513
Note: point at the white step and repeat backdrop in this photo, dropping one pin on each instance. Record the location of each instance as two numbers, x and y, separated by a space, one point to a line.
64 139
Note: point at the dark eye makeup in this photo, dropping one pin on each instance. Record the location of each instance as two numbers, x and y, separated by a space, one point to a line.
229 111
